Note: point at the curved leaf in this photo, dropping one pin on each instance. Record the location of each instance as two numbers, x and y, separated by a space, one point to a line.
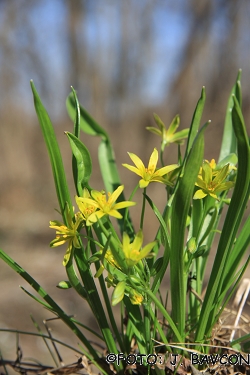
54 154
83 162
87 123
228 144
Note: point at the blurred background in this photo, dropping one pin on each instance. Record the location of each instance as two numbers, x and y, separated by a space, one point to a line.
126 59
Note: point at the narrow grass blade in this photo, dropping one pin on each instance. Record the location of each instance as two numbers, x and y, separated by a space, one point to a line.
239 249
46 337
228 144
195 124
54 154
160 274
45 341
77 121
181 205
55 307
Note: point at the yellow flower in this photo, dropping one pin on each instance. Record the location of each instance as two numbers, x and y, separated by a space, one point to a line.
149 174
212 182
169 135
86 208
133 251
104 206
135 297
67 234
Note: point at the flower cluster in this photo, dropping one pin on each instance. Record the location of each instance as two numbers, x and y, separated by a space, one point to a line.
92 207
123 272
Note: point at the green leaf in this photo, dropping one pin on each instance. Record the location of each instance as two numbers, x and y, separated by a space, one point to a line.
108 167
83 162
166 240
77 121
231 159
231 225
87 123
228 144
194 127
52 305
54 154
180 209
106 156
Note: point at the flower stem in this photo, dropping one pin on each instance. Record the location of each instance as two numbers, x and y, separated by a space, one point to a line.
143 208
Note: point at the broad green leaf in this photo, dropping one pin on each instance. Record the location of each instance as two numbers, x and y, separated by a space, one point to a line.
83 162
54 154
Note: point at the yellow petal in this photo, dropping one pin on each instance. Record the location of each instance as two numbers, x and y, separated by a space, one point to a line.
113 197
123 204
86 201
153 161
115 213
94 217
146 250
137 243
133 169
97 196
154 130
125 244
199 194
67 256
143 183
137 161
167 169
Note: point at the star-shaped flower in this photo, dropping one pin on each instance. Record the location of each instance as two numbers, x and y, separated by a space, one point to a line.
133 251
149 174
211 181
67 234
169 135
86 208
103 205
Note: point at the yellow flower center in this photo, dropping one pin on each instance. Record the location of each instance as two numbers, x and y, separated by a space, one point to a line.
104 204
134 254
211 186
149 172
89 210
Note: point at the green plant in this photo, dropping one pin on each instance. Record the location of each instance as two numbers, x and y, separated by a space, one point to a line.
196 192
